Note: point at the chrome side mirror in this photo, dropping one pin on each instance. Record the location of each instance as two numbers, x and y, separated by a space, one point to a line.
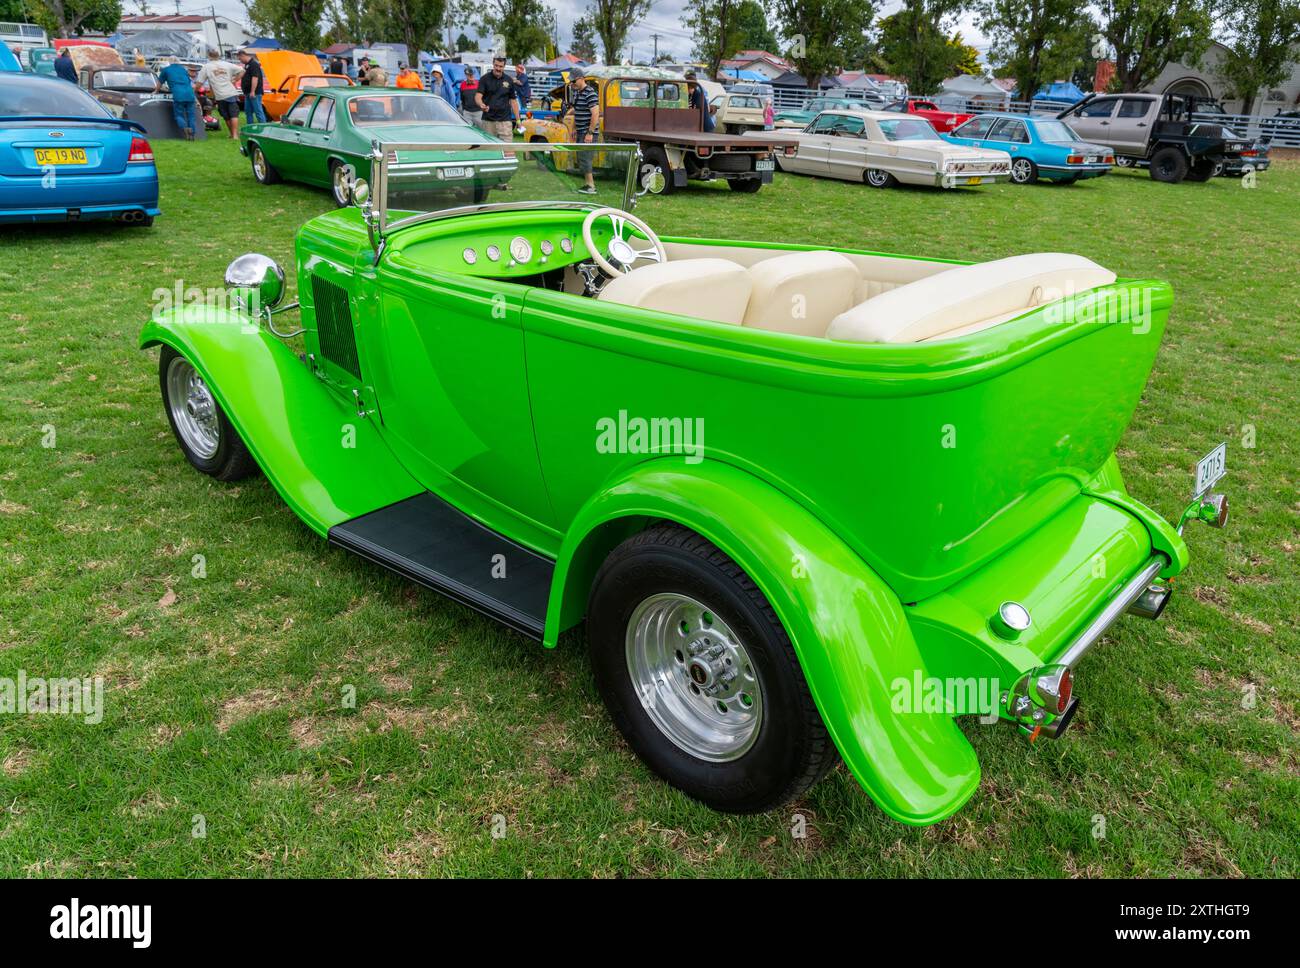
257 281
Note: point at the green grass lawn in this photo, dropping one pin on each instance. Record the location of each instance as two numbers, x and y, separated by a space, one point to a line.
224 693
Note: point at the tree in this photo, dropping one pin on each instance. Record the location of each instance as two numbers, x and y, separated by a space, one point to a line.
612 20
965 58
715 28
416 23
517 27
584 40
295 23
754 26
463 43
1035 41
72 18
915 43
822 33
354 21
1148 35
13 11
1261 42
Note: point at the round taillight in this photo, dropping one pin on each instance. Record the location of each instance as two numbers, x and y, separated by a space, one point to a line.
1063 693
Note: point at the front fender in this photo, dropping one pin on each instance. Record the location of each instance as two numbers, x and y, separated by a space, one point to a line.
848 629
328 464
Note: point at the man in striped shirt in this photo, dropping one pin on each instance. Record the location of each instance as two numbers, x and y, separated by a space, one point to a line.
586 122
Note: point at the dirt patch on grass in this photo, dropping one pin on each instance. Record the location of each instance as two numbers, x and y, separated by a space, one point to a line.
242 707
305 733
1207 857
413 857
413 719
17 762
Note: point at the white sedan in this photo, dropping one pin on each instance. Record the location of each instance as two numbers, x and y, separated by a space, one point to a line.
884 149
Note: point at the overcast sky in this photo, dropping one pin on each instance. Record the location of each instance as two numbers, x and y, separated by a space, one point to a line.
664 19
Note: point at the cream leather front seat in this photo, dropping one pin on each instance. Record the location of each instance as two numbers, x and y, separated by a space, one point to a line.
967 299
715 289
801 292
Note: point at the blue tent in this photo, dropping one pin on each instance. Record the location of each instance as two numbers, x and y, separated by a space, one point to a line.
1063 91
744 75
266 43
8 62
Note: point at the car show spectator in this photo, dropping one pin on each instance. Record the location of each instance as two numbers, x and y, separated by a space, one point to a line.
176 80
769 119
64 67
437 83
469 108
253 83
363 72
586 122
699 100
376 76
408 78
497 99
220 77
523 89
336 65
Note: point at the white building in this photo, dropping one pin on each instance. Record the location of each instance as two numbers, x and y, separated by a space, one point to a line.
1205 81
219 32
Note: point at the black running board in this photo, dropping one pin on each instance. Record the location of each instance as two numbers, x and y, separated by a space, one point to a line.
430 542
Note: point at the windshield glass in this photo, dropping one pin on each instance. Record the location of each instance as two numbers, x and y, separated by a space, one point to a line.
381 109
1056 132
126 80
323 81
33 96
908 129
420 179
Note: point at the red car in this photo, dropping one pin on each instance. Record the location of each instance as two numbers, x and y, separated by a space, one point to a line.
943 121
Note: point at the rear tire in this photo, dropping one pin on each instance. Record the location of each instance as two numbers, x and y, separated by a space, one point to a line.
1169 165
262 169
879 179
341 177
670 619
746 185
204 433
1201 171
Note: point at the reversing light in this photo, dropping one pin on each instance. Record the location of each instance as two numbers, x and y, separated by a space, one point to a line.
140 150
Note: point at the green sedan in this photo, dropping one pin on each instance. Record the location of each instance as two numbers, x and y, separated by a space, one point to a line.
801 118
327 138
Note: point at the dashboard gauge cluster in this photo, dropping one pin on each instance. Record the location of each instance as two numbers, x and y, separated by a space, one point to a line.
518 251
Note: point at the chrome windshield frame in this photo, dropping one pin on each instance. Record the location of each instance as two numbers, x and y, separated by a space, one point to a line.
385 155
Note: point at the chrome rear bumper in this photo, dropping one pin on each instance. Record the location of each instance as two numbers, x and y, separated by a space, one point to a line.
1113 609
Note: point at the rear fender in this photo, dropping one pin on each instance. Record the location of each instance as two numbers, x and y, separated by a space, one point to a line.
848 629
329 464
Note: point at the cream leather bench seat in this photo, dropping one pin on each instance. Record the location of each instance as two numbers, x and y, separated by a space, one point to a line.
801 292
714 289
967 299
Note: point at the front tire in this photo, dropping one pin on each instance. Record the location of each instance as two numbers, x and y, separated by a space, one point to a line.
879 179
204 433
262 170
1024 171
700 677
341 178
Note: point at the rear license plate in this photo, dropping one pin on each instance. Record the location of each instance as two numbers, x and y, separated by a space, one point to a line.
61 156
1090 160
454 173
768 165
1210 468
974 181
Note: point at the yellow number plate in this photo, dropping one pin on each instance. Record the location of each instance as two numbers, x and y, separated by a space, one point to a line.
61 156
973 181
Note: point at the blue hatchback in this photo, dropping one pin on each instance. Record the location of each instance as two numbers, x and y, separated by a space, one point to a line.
1039 147
63 157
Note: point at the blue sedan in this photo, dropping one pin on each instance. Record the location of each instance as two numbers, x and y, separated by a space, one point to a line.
63 157
1039 147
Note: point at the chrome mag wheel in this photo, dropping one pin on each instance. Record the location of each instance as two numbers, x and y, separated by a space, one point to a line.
1021 171
694 677
341 177
193 409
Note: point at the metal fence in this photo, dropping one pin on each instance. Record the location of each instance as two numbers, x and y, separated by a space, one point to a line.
1279 132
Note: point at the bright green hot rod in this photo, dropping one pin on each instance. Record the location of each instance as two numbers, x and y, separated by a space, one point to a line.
812 504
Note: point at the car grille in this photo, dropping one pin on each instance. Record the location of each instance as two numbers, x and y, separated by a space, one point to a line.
338 344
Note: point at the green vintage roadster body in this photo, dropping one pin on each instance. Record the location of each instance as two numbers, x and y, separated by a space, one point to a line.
812 504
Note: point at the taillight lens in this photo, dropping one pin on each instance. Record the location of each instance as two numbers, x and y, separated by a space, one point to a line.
140 150
1074 160
791 150
1109 159
1066 688
704 152
1250 154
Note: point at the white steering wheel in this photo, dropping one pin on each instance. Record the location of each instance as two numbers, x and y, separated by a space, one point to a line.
622 253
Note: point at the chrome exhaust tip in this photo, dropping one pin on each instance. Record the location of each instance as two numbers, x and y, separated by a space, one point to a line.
1151 602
